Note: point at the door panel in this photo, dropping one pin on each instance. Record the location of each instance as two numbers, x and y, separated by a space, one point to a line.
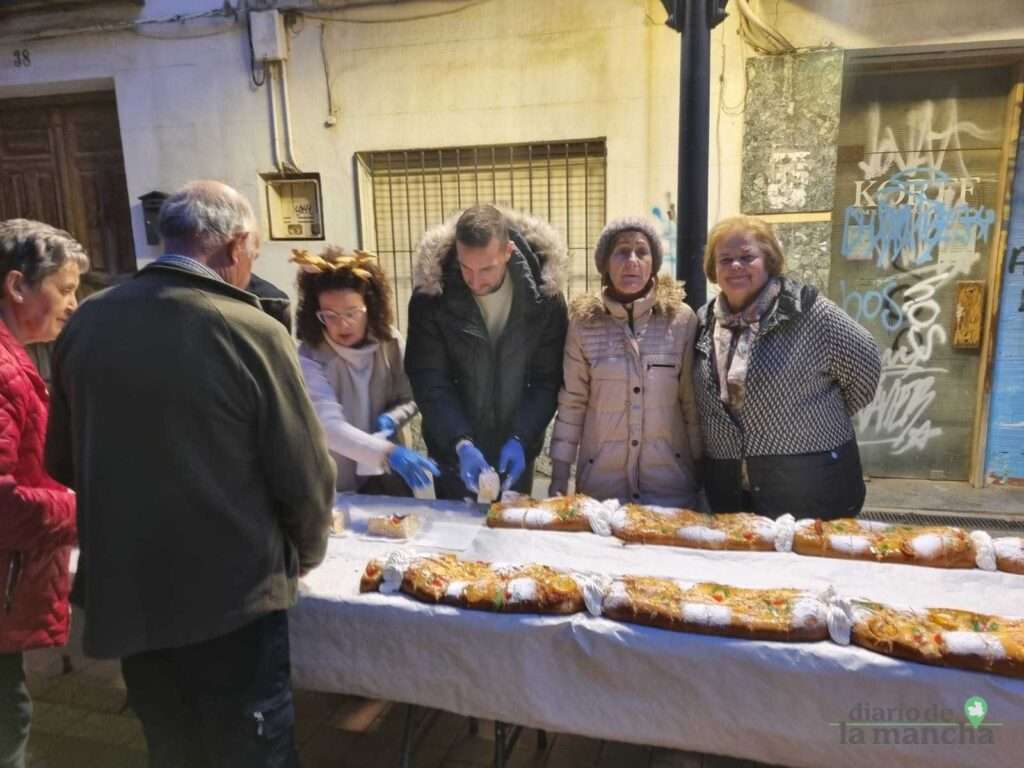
917 176
61 162
31 193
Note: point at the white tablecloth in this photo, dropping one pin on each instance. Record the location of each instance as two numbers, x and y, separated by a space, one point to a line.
774 702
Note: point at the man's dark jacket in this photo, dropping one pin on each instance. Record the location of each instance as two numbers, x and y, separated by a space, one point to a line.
273 300
179 416
463 387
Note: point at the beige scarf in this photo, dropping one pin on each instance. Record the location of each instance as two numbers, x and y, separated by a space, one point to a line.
734 336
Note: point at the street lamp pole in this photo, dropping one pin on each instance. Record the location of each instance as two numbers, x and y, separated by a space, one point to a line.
694 19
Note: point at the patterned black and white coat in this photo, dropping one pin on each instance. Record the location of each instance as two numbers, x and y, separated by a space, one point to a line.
812 367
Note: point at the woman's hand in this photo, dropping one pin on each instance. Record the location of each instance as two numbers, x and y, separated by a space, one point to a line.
559 479
386 425
413 467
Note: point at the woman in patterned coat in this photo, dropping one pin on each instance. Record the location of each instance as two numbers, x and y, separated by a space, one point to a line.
626 413
39 271
779 372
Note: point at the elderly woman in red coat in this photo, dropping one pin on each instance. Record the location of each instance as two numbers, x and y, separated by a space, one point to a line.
39 272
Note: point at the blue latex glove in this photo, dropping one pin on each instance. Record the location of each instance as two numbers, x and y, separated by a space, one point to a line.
511 462
413 467
471 464
386 425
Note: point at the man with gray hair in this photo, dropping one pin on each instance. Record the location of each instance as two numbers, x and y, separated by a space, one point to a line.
204 488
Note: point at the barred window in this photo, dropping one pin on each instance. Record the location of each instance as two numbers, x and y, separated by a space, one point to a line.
403 193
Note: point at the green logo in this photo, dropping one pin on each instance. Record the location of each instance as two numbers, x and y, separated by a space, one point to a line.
975 708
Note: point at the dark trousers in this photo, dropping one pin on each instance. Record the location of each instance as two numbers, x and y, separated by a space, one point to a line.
15 711
825 485
221 703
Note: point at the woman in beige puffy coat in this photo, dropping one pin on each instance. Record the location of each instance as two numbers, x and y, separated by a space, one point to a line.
626 411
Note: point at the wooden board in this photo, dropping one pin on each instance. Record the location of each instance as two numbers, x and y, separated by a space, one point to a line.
968 310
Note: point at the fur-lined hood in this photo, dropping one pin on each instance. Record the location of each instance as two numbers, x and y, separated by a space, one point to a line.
438 245
668 300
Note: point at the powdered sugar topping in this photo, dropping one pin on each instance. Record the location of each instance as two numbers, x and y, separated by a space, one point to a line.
808 612
706 615
522 590
984 644
701 534
849 543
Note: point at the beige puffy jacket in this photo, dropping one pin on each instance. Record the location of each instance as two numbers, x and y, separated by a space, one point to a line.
626 412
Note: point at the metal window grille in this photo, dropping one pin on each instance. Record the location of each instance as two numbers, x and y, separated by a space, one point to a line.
405 192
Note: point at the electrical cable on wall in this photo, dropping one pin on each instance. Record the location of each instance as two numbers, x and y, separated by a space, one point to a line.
391 20
138 26
740 108
261 78
758 34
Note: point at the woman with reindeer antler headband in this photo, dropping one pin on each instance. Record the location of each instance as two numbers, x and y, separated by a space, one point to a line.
351 359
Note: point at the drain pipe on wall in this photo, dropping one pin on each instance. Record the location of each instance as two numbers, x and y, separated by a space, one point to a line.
268 44
289 163
274 142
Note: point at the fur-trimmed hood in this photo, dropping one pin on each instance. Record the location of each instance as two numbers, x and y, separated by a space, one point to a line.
668 300
438 244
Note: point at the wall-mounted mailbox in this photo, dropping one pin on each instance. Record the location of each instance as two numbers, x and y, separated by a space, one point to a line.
151 203
294 206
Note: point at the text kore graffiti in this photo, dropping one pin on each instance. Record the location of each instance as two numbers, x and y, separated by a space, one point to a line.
912 219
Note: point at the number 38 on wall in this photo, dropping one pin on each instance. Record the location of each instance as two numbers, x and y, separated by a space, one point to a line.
22 57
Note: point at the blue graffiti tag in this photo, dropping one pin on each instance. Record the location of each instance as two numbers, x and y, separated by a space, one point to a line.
668 238
906 226
879 303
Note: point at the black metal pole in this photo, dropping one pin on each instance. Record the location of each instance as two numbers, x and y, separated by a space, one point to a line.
694 19
694 108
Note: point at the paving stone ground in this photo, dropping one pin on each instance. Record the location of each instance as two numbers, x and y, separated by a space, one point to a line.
82 720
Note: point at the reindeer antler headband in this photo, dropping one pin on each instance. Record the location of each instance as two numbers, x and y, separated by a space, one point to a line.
356 262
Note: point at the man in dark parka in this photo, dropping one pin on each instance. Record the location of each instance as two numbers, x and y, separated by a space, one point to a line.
487 324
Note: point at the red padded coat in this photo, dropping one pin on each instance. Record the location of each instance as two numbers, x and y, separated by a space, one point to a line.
37 514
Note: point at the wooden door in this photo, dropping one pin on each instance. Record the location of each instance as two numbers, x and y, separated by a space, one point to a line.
919 169
61 162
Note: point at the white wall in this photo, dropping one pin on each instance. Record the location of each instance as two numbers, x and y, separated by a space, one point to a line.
894 23
501 72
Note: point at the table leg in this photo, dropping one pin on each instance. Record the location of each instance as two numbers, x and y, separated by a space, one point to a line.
407 739
505 739
413 731
499 744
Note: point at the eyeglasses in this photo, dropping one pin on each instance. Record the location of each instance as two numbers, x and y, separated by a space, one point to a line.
746 260
349 316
